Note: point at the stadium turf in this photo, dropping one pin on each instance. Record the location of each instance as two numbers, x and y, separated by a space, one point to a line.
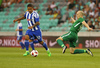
13 58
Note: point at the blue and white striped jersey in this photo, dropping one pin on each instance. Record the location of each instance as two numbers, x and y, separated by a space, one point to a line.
32 19
19 26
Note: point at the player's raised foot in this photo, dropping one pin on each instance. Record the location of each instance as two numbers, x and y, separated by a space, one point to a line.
48 52
64 49
26 53
89 52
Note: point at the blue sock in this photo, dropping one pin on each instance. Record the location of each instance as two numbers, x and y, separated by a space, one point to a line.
22 45
45 46
27 45
32 45
35 41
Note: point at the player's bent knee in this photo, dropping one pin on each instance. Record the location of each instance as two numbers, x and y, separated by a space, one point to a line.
30 40
41 42
72 52
26 37
18 41
59 38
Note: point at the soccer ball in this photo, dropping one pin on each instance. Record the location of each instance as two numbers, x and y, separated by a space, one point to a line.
34 53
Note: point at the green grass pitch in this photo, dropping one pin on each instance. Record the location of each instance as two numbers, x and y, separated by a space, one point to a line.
13 58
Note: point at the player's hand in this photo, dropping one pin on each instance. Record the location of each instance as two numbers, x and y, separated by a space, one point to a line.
90 29
71 18
30 27
14 21
16 29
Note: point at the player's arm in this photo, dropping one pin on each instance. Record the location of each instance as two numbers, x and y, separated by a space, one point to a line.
86 25
19 19
23 17
37 23
73 20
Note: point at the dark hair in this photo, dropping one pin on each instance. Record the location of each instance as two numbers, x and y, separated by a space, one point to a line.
30 5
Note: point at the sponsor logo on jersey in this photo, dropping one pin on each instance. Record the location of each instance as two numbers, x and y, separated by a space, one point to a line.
28 19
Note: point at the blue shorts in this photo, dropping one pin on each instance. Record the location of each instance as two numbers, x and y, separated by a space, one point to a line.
34 35
19 37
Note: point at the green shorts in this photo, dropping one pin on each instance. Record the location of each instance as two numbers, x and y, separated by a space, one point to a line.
71 37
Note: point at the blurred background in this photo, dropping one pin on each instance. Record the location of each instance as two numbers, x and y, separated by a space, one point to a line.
54 16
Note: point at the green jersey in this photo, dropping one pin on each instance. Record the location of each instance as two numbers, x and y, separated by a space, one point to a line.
77 25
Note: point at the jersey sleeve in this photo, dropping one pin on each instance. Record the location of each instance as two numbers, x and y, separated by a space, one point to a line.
81 20
36 17
25 15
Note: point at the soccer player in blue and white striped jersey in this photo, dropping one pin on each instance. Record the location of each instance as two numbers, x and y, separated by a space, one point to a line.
20 34
34 31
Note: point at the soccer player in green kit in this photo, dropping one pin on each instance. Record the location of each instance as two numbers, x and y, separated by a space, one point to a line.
72 37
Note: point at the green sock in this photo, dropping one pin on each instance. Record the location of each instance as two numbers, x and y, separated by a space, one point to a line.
78 51
60 42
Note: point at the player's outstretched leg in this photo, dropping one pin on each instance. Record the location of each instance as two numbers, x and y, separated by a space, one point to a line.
45 46
27 48
79 51
26 45
47 49
60 42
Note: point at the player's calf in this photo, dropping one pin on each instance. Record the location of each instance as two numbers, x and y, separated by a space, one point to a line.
60 41
44 45
31 44
41 42
27 42
21 44
79 51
